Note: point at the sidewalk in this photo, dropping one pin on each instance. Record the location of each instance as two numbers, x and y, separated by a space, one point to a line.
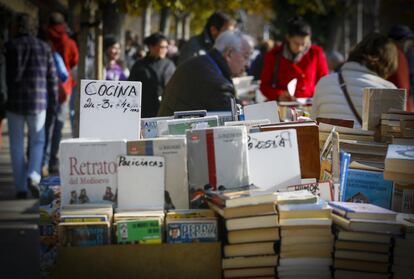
7 191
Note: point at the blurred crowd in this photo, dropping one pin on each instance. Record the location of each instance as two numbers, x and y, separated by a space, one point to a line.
38 77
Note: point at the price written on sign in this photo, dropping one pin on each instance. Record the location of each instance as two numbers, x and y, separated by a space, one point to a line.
110 109
123 104
282 140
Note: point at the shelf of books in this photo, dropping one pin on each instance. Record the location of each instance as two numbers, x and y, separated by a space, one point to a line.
206 196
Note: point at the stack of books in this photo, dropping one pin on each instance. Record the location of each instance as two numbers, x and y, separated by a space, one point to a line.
139 227
396 124
306 237
252 230
191 225
85 226
404 248
364 235
344 133
399 166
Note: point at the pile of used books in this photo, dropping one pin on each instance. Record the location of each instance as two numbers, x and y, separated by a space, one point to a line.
404 248
397 125
363 246
251 229
306 238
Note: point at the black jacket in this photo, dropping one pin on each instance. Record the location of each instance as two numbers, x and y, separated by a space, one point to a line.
154 75
203 82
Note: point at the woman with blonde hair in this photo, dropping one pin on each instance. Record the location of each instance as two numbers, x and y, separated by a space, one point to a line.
369 64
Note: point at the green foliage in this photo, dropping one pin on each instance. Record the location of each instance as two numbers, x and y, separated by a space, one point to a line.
199 10
320 14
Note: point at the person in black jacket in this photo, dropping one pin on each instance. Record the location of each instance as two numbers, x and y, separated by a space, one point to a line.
154 71
205 82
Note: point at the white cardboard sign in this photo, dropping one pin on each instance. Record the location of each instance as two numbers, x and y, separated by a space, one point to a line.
266 110
141 182
274 159
110 109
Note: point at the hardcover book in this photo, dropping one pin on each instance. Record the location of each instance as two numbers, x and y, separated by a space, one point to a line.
141 182
88 170
174 150
274 159
217 158
144 231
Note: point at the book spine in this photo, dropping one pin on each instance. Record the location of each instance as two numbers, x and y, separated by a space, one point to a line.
345 159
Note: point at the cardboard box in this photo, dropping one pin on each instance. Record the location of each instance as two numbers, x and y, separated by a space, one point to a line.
193 260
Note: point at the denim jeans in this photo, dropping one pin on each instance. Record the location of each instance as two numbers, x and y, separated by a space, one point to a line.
54 127
23 170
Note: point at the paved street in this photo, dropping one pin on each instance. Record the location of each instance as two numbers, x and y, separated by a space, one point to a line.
6 179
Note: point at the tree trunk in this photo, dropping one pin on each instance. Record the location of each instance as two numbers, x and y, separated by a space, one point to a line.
146 21
178 27
113 20
98 46
165 21
186 27
83 39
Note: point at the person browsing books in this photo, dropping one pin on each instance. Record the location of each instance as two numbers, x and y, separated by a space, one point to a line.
296 58
205 82
369 64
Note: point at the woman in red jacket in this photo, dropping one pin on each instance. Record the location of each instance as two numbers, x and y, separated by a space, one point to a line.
295 58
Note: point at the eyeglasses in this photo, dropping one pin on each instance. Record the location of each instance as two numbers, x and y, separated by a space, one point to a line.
164 46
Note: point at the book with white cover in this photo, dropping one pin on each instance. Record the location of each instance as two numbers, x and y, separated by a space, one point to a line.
400 158
265 110
149 126
110 109
217 157
88 170
274 159
179 126
141 182
174 150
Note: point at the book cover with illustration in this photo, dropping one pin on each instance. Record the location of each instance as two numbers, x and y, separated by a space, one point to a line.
189 230
148 231
366 186
88 170
84 234
174 150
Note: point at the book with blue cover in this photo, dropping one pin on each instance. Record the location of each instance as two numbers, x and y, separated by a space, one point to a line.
364 186
191 230
345 160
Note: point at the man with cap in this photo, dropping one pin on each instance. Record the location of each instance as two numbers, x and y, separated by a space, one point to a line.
403 38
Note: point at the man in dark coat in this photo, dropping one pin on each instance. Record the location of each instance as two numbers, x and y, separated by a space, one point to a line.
205 82
200 44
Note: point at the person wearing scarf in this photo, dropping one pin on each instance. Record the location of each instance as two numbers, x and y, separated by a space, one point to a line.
296 58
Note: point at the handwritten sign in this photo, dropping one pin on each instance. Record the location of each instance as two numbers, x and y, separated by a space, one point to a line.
274 159
141 182
110 109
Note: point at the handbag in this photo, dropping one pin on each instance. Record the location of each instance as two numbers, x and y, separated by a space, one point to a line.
348 98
